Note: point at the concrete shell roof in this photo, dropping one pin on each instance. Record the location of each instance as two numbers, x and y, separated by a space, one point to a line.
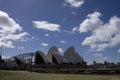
59 58
51 51
71 56
20 60
81 58
43 56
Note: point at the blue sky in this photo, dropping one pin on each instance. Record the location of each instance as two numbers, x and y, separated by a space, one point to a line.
91 26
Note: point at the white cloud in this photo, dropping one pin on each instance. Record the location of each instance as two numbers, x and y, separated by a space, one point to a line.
5 57
7 24
44 44
20 48
101 58
46 25
55 35
33 37
75 29
47 35
60 50
98 55
91 22
73 12
74 3
66 31
62 41
104 35
7 44
29 38
9 30
14 36
118 50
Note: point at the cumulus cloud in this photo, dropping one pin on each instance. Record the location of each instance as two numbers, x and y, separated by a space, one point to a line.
118 50
7 44
20 48
75 29
91 22
55 35
101 57
29 38
62 41
45 25
104 35
47 35
44 44
74 3
5 57
9 30
7 24
60 50
15 36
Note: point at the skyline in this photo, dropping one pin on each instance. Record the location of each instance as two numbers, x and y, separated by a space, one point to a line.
91 26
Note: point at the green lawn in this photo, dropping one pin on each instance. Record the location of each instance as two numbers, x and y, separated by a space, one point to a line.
22 75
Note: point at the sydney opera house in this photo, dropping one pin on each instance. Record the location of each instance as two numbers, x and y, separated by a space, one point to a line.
52 59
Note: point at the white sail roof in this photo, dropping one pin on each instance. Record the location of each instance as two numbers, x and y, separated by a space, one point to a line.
72 56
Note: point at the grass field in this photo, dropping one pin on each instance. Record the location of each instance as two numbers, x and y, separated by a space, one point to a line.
22 75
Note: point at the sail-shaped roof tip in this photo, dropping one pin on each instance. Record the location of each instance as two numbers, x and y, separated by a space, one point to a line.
58 58
81 58
72 56
51 51
41 58
19 60
55 55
